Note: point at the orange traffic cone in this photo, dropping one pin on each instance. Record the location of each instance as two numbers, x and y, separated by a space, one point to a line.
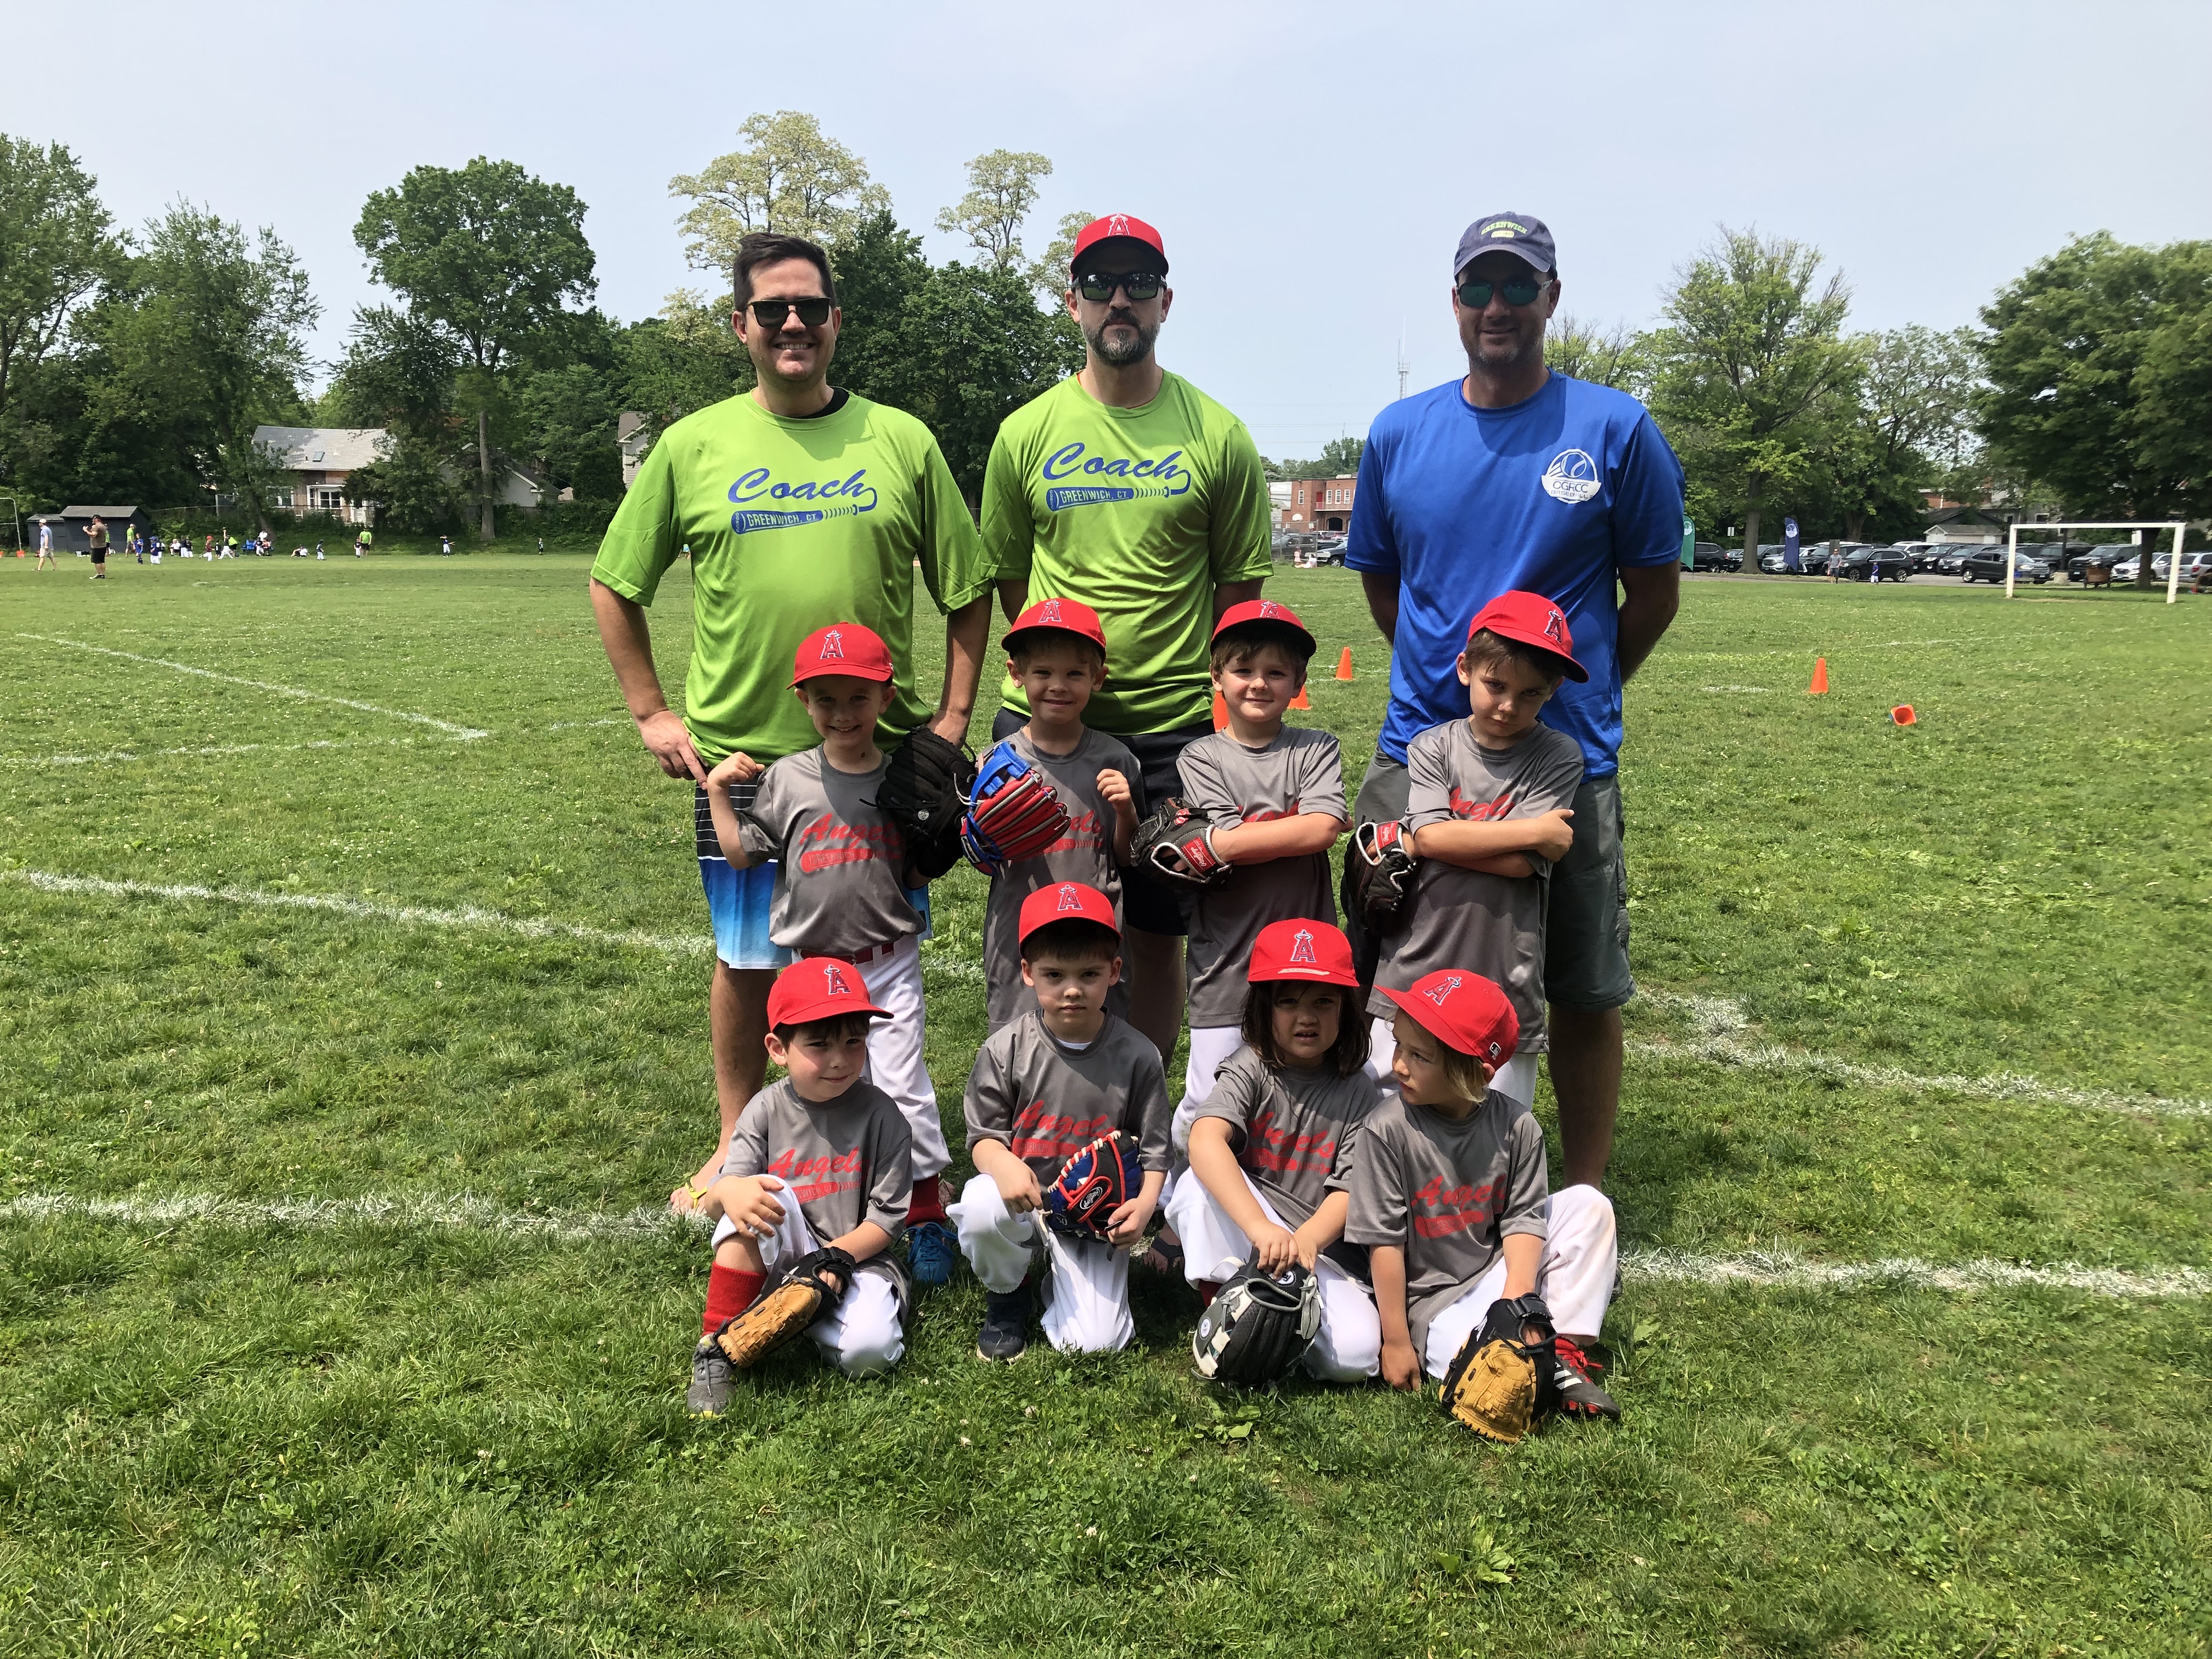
1344 665
1220 714
1903 714
1299 701
1820 685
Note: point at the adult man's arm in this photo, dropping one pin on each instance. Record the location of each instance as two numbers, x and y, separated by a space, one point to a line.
1228 593
1380 587
628 643
967 633
1652 593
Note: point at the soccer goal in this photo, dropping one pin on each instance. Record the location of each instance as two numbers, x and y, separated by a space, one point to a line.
2143 547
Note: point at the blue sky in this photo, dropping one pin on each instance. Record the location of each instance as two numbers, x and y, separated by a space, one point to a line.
1310 166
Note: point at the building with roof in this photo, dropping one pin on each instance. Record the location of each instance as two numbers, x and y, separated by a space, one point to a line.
1967 523
73 526
317 460
1319 504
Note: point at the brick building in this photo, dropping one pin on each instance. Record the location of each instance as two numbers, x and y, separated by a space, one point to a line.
1320 504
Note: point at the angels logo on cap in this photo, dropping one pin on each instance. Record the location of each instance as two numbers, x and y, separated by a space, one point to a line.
1555 625
1117 224
833 647
1268 608
1050 614
1438 994
1302 949
1070 899
833 980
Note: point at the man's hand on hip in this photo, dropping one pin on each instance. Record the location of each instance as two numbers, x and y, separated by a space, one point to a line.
664 734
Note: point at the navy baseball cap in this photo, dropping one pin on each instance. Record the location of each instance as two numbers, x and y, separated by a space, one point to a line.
1518 233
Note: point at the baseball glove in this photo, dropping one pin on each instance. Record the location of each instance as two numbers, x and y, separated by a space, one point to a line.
924 790
1499 1384
1378 875
1012 811
1257 1326
801 1294
1176 843
1093 1184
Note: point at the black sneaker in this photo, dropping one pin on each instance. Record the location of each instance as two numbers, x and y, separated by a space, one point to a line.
712 1379
1579 1395
1006 1333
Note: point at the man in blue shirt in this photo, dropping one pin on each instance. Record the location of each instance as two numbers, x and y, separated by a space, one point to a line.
1517 478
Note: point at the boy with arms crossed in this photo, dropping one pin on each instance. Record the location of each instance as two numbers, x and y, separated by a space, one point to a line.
817 1160
1487 810
1449 1195
843 887
1056 651
1045 1087
1273 1144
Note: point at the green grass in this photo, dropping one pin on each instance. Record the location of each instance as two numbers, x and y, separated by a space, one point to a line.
395 1433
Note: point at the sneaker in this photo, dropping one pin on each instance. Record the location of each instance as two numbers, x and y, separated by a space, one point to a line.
712 1379
1006 1333
1579 1395
930 1250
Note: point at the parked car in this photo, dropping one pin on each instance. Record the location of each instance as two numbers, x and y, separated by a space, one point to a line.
1875 564
2098 558
1711 555
1987 564
1923 556
2127 568
1950 556
1812 558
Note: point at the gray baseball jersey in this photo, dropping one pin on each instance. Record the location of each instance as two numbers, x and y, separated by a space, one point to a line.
1446 1193
1471 919
845 1161
841 864
1046 1100
1083 853
1294 1131
1298 771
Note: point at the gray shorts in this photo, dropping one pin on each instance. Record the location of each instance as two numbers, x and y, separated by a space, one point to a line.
1586 927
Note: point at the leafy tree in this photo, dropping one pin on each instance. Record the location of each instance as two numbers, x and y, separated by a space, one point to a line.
2099 381
488 253
1339 458
399 373
1002 188
1616 356
789 176
1908 424
568 415
1048 275
879 269
1752 372
56 248
680 361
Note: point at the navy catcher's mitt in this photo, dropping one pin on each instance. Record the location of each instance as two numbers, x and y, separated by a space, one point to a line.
1093 1184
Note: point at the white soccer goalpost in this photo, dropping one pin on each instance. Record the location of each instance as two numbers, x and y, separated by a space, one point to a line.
2143 549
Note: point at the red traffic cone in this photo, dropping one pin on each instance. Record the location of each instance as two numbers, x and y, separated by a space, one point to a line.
1220 714
1820 685
1344 665
1903 714
1299 701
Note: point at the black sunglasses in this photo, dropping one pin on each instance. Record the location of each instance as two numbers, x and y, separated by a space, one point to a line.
1519 291
770 313
1098 286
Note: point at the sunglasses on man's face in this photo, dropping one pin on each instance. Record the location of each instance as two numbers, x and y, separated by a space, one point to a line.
770 313
1098 286
1518 291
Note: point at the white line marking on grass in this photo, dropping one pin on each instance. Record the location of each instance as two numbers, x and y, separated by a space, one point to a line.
420 916
405 1213
465 732
577 726
1721 1028
121 755
1736 688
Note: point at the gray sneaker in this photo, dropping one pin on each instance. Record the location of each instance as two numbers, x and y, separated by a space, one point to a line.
712 1379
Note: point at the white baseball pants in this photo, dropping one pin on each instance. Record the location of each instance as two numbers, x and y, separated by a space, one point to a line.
1575 1277
1516 1079
1210 1046
861 1336
1349 1347
895 1061
1086 1290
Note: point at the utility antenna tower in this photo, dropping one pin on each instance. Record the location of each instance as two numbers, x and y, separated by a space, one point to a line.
1405 369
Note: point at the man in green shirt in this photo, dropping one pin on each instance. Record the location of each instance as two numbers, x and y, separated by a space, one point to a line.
801 505
1128 489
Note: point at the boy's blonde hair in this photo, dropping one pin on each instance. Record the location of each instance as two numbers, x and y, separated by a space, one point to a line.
1030 638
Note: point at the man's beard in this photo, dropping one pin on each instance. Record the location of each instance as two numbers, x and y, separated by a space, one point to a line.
1133 351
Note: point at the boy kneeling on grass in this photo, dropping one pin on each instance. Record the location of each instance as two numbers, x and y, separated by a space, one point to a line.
1448 1194
820 1159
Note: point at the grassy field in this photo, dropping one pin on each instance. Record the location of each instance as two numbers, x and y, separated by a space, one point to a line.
352 1025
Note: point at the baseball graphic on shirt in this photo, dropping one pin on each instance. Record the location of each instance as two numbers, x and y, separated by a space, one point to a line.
1571 477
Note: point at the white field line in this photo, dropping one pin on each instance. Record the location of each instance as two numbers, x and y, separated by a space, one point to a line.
578 726
364 909
1722 1034
117 755
1770 1269
465 732
1711 689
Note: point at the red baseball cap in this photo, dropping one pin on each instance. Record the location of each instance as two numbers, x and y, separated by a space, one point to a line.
841 648
1462 1010
1253 611
819 988
1067 616
1114 226
1531 619
1303 949
1067 901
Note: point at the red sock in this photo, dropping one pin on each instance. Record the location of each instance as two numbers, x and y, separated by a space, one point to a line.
928 1203
730 1292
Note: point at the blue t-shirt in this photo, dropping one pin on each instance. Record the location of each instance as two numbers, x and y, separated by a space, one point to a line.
1463 504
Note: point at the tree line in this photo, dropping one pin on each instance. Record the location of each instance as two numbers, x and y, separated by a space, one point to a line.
136 363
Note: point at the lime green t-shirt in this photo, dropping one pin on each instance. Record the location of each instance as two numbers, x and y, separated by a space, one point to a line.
1139 513
792 525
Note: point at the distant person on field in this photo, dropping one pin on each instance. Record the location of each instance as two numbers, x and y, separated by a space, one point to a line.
45 547
1515 478
803 504
361 542
97 537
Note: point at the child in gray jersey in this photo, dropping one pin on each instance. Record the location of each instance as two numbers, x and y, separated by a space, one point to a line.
1450 1197
844 888
1487 805
820 1159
